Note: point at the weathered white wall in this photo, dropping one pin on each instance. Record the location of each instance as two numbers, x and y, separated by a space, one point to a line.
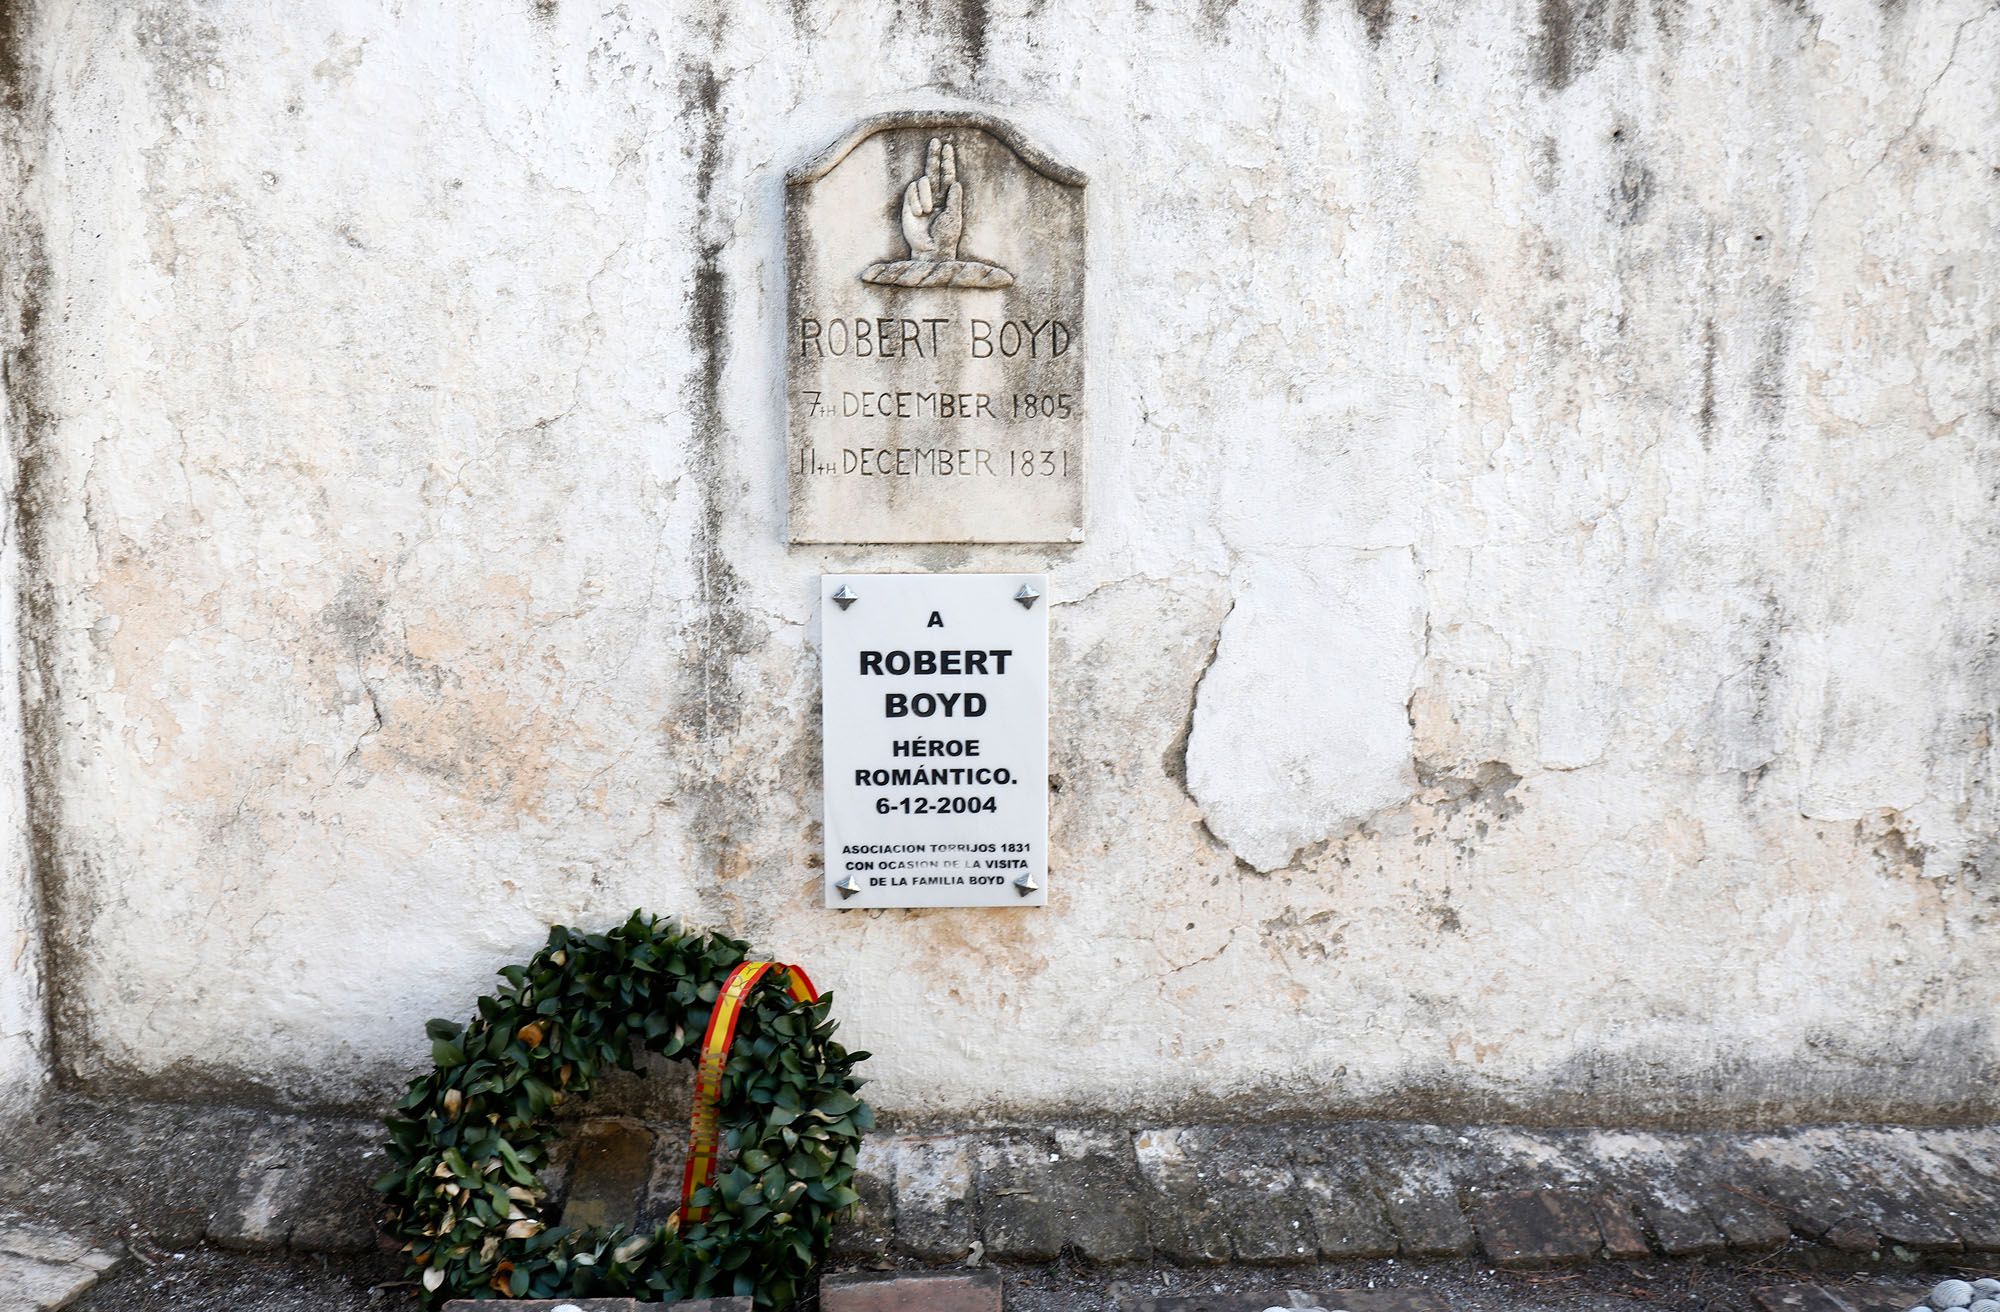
23 1006
1534 650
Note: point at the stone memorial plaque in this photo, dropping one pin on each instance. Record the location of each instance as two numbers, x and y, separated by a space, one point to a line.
936 746
934 337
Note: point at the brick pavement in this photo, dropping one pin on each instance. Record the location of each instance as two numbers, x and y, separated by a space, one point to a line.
42 1267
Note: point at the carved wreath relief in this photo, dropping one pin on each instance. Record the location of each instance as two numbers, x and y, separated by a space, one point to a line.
933 220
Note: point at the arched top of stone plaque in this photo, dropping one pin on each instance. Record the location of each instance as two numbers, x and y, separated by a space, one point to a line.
937 119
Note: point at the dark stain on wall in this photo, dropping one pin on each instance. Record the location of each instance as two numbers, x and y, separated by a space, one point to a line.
1706 416
354 615
1574 33
1215 16
13 40
1632 196
972 24
1558 55
1642 1087
1374 18
26 289
1767 671
722 632
966 23
1772 374
1374 15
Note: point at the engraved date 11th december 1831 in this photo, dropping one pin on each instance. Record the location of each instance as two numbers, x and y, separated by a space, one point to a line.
935 461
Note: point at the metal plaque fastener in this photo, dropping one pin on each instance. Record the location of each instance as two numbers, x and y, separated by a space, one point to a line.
844 597
849 886
1026 884
1027 596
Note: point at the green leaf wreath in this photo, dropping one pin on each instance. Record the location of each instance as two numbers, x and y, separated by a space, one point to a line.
469 1137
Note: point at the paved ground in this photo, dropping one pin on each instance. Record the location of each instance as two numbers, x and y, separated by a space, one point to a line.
210 1280
43 1266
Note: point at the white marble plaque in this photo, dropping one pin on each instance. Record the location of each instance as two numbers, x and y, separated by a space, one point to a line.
936 739
934 337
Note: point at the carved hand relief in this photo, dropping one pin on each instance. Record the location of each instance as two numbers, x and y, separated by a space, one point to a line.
935 339
933 221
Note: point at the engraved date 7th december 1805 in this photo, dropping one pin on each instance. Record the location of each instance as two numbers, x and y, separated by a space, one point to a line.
872 404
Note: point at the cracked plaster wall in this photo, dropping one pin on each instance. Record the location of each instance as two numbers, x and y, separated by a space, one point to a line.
1533 654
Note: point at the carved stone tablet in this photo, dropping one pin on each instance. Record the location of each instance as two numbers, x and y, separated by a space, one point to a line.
935 337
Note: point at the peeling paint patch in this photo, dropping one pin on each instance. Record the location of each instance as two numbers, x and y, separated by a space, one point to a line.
1174 760
1899 850
1300 727
1440 911
1490 786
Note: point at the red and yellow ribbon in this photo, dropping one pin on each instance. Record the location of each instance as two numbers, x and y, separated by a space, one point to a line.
704 1128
